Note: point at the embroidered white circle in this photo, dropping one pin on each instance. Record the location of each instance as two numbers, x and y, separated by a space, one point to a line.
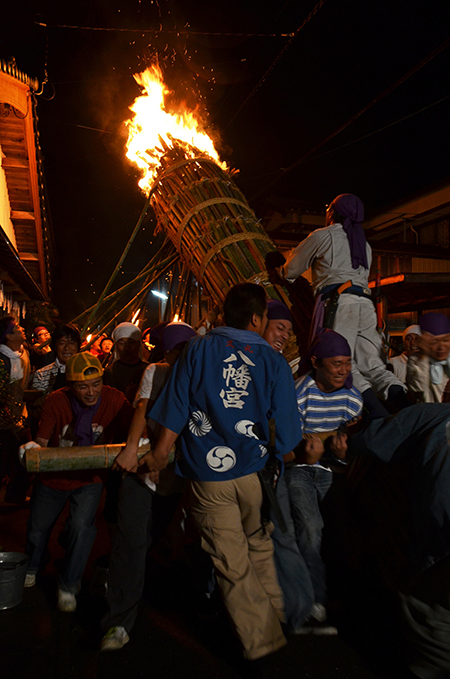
200 424
221 459
246 427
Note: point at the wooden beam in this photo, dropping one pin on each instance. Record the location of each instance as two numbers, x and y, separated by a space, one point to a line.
21 163
29 256
22 214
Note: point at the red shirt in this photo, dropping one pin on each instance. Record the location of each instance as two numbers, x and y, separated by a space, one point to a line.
112 419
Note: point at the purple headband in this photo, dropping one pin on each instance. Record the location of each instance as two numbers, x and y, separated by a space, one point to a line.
276 310
176 333
326 344
156 333
435 324
352 209
9 329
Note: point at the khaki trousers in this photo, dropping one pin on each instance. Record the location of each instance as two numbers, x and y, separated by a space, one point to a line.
228 517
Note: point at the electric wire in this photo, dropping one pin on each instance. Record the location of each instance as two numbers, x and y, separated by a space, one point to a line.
277 59
154 31
342 127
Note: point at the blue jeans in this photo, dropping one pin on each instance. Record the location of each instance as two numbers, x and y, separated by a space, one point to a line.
292 571
77 536
307 486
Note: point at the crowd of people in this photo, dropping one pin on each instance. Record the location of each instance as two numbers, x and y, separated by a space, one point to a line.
246 449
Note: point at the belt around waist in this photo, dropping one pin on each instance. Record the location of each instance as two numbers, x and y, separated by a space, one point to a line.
357 290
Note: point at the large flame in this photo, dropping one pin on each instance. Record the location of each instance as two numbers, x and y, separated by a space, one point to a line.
152 122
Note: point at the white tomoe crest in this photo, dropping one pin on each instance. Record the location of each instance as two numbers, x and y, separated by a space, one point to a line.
221 458
246 427
199 424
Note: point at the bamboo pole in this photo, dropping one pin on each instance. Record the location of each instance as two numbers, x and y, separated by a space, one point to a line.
169 260
130 303
120 262
117 293
75 458
166 263
168 311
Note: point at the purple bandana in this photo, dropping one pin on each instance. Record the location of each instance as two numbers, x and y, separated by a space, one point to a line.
156 332
276 310
352 209
175 334
435 324
326 344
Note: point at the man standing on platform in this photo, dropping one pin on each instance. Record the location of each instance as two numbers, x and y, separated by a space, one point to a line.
340 258
219 399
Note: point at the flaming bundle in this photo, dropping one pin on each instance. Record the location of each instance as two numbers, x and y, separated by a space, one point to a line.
210 223
193 195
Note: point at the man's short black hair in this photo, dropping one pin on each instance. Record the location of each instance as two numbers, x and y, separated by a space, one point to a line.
241 302
66 330
4 322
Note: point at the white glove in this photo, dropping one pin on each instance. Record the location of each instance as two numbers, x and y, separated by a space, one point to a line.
23 449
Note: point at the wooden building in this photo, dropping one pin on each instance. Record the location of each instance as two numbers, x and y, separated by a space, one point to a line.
25 237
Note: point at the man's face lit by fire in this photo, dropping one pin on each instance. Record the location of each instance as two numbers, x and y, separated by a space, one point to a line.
65 348
16 337
277 333
88 392
331 373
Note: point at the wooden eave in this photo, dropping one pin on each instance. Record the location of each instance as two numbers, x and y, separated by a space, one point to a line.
17 141
417 212
14 275
415 291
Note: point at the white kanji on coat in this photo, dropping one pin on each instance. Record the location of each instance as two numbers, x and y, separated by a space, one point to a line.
237 379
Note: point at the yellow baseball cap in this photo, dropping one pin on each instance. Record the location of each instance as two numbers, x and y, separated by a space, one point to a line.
83 366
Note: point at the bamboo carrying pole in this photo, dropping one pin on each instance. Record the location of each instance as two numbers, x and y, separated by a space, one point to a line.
75 458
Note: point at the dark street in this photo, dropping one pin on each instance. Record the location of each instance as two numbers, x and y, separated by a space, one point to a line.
175 634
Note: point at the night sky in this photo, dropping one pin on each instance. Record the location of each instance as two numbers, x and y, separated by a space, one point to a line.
268 113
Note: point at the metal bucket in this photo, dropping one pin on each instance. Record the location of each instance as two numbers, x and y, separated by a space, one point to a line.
13 568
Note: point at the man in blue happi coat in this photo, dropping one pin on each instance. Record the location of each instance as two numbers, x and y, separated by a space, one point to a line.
219 399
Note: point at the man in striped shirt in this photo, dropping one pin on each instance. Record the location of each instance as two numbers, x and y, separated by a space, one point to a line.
327 403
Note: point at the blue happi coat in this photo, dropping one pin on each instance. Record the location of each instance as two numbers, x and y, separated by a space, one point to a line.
220 396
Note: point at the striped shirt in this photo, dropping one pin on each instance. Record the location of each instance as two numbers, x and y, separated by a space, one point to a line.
44 378
322 412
